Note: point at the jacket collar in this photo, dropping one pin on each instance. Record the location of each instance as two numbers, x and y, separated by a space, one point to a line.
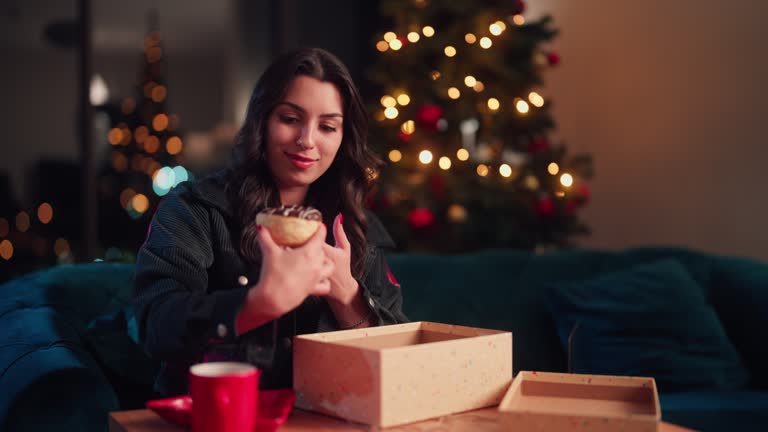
212 190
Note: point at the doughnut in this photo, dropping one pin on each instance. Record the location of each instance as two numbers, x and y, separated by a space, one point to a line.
290 226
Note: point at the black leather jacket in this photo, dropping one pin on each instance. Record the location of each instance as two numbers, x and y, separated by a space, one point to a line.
191 280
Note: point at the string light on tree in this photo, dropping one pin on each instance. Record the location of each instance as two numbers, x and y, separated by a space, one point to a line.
45 213
505 170
462 154
518 19
159 93
388 101
425 157
493 104
553 168
413 37
444 163
174 145
6 249
160 122
449 51
428 31
566 180
536 99
486 42
470 38
22 222
408 127
391 113
470 81
497 28
483 170
521 106
454 93
403 99
395 155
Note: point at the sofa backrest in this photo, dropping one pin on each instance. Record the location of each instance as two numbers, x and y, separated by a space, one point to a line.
504 290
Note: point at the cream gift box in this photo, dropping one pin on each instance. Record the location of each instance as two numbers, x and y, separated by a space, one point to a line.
397 374
600 403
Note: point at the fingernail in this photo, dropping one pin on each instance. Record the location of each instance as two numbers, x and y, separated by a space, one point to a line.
258 228
341 218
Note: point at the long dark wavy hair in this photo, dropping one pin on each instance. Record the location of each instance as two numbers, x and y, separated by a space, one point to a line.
342 188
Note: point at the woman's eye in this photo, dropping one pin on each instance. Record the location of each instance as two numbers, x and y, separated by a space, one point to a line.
288 119
328 128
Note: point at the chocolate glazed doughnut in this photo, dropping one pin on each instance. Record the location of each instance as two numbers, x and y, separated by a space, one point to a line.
292 225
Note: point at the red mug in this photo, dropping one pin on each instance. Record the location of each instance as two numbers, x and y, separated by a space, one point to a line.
224 396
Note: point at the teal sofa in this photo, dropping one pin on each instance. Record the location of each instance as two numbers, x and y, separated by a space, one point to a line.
68 357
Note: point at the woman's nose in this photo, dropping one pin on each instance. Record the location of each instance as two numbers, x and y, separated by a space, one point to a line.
307 138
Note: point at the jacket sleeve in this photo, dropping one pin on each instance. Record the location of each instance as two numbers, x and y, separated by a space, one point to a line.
176 313
379 288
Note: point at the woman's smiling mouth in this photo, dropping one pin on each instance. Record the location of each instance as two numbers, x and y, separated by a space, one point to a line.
300 161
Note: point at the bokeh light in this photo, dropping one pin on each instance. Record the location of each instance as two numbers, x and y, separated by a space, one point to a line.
45 213
425 157
566 180
395 155
6 249
22 221
553 168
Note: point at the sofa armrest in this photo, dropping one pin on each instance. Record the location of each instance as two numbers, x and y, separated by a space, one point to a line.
49 380
739 294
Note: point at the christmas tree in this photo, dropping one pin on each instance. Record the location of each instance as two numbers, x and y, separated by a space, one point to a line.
465 128
145 161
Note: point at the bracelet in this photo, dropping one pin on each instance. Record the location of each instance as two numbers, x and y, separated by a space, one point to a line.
357 324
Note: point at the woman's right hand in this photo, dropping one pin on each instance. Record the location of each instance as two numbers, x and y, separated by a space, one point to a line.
288 276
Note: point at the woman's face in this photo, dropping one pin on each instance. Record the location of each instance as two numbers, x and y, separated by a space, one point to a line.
304 133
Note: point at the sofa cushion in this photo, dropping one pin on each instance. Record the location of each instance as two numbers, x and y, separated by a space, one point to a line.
649 320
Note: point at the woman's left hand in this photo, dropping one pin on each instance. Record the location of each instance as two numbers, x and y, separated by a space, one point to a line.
344 287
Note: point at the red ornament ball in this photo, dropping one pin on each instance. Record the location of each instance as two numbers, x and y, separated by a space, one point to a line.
428 116
571 207
584 194
404 137
437 184
519 7
421 218
553 58
537 145
545 207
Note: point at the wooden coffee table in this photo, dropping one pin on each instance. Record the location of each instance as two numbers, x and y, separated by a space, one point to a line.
482 420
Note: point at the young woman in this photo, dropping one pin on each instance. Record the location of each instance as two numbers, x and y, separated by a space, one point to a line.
211 284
